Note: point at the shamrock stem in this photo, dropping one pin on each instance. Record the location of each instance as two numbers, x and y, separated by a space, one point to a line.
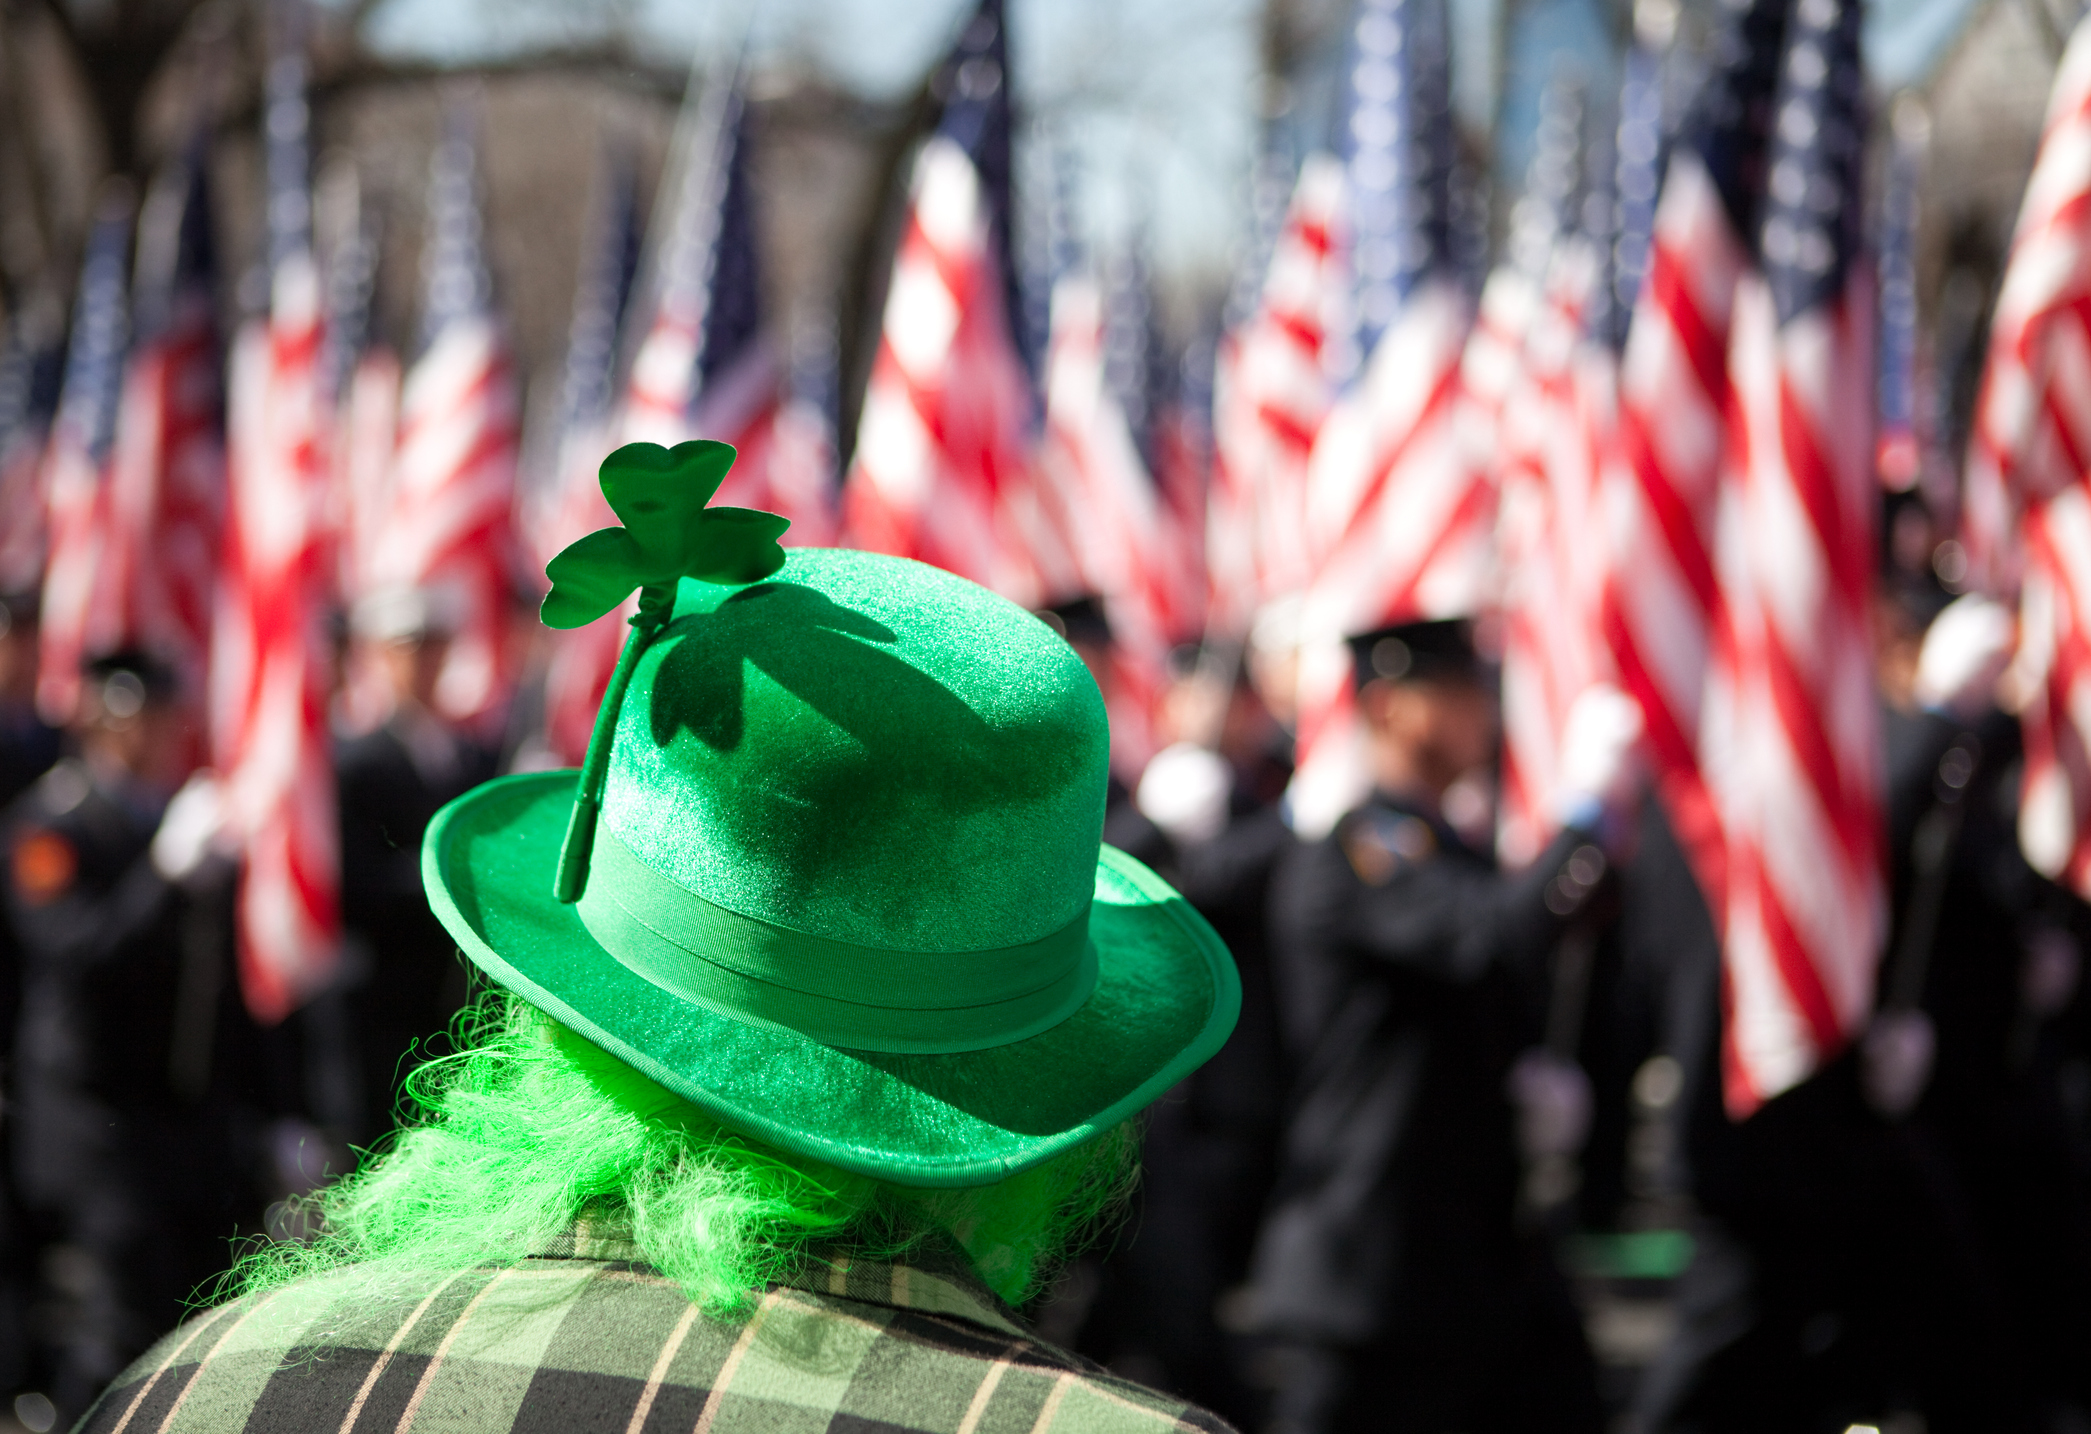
574 852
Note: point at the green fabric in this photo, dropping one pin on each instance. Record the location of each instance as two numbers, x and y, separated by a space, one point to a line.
866 749
585 1337
884 757
834 991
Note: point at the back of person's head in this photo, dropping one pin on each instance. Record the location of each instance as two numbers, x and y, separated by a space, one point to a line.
529 1127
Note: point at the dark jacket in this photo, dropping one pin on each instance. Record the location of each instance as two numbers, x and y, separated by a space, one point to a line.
1407 968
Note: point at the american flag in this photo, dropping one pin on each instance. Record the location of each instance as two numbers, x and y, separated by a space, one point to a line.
1663 483
943 465
2031 436
167 483
2028 506
1109 508
446 521
1273 387
32 361
1552 430
1756 499
1792 744
1398 519
271 655
79 619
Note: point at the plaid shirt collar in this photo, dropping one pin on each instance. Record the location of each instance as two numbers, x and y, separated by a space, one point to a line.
936 1278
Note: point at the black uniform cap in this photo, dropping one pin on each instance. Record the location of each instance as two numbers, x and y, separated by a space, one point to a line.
128 679
1441 650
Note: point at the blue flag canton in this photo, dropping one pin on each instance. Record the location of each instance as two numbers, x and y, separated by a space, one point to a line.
286 124
733 315
1812 230
1897 257
972 85
32 364
1636 183
351 289
459 286
1732 115
101 333
1398 144
609 264
177 260
1136 367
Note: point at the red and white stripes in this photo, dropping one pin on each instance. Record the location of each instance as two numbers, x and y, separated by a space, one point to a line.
1661 497
942 470
1273 390
1553 433
271 656
1103 499
2032 431
2028 497
447 522
1790 733
166 495
2054 661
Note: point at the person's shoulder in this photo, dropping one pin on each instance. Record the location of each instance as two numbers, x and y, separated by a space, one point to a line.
926 1369
464 1348
202 1369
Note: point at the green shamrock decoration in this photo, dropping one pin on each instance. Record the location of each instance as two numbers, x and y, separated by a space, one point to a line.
668 535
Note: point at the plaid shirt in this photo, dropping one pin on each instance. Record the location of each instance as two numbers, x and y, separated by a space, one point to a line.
585 1337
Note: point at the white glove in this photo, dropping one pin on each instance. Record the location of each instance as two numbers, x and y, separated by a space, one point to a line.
1184 792
1601 750
1965 651
190 826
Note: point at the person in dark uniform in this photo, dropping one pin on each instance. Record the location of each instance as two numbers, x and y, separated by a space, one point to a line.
134 1141
1205 814
403 980
1391 1273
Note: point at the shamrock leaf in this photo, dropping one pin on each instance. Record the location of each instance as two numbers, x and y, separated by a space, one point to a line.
668 534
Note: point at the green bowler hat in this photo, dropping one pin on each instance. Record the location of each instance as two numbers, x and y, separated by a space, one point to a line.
834 870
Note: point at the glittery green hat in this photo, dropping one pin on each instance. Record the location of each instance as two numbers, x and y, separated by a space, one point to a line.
833 870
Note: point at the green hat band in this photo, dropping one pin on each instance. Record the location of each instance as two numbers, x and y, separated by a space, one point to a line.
835 992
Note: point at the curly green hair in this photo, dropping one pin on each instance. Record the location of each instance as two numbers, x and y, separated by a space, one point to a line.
529 1127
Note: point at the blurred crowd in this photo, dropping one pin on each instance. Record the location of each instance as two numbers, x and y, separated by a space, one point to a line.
152 1122
1465 1108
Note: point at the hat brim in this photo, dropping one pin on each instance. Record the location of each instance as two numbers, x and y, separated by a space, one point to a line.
1166 998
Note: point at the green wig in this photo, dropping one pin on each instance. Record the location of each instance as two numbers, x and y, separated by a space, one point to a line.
529 1127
